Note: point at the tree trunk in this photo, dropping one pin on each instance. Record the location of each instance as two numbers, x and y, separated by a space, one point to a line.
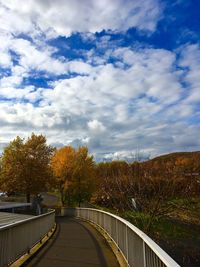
79 191
62 197
28 197
68 198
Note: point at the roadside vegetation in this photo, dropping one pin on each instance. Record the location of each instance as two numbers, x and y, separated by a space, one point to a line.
166 202
160 196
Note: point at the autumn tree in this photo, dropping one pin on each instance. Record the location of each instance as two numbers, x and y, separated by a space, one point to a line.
25 166
62 164
153 184
83 176
153 194
74 173
113 188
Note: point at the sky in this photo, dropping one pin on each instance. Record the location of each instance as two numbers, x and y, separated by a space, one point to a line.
118 76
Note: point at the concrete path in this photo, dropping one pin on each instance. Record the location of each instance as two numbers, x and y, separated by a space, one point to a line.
75 244
49 200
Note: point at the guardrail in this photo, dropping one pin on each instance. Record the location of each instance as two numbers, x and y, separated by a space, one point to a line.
18 238
137 248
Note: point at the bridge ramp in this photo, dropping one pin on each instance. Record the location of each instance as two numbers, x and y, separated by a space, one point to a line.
9 218
75 244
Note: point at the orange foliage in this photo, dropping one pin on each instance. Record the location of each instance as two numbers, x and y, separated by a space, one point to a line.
25 165
73 171
150 183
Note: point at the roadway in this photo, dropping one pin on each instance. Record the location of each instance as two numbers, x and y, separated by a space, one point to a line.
75 244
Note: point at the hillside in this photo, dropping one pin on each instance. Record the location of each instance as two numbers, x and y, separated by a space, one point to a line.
177 155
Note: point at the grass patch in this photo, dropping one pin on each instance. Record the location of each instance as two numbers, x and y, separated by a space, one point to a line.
177 233
164 228
190 204
167 229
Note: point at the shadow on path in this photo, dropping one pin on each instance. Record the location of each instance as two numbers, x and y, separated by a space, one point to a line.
75 244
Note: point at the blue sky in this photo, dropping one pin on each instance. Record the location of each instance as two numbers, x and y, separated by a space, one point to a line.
116 75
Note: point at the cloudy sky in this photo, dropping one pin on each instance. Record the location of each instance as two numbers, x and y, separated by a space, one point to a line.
116 75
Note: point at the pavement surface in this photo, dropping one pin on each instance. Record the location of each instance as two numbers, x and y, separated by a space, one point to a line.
8 218
10 205
49 200
75 244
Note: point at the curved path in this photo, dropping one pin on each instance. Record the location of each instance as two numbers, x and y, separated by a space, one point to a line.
75 244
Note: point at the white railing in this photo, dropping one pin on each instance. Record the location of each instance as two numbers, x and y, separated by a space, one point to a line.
18 238
136 247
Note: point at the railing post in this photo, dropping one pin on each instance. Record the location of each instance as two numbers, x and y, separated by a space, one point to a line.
126 243
144 253
117 233
34 229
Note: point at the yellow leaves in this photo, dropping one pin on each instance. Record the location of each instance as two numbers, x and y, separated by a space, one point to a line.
73 171
25 165
62 163
84 163
68 163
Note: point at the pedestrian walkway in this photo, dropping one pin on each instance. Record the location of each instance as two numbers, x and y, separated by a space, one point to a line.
75 244
9 218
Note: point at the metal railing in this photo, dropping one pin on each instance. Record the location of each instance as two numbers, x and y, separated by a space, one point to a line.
18 238
136 247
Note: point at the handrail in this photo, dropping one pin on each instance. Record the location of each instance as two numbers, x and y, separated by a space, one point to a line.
26 220
18 238
137 248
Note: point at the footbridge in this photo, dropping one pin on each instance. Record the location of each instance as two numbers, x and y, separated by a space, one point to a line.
79 239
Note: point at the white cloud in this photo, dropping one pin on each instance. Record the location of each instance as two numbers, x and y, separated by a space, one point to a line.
96 126
154 69
13 93
128 155
5 59
144 99
79 67
10 81
62 17
112 107
37 58
190 59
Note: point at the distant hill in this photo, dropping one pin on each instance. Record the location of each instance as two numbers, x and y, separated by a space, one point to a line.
178 163
178 155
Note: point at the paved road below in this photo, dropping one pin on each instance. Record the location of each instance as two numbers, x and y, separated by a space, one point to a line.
75 244
49 200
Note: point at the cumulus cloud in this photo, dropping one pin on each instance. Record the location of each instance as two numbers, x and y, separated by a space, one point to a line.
111 108
127 102
96 126
64 17
128 156
5 59
190 60
36 58
116 101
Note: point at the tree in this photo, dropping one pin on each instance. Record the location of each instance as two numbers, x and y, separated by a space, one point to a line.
113 185
74 172
25 166
153 184
62 164
83 176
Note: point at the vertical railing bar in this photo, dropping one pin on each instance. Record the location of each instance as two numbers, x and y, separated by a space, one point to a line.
117 229
117 233
25 231
144 253
126 244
